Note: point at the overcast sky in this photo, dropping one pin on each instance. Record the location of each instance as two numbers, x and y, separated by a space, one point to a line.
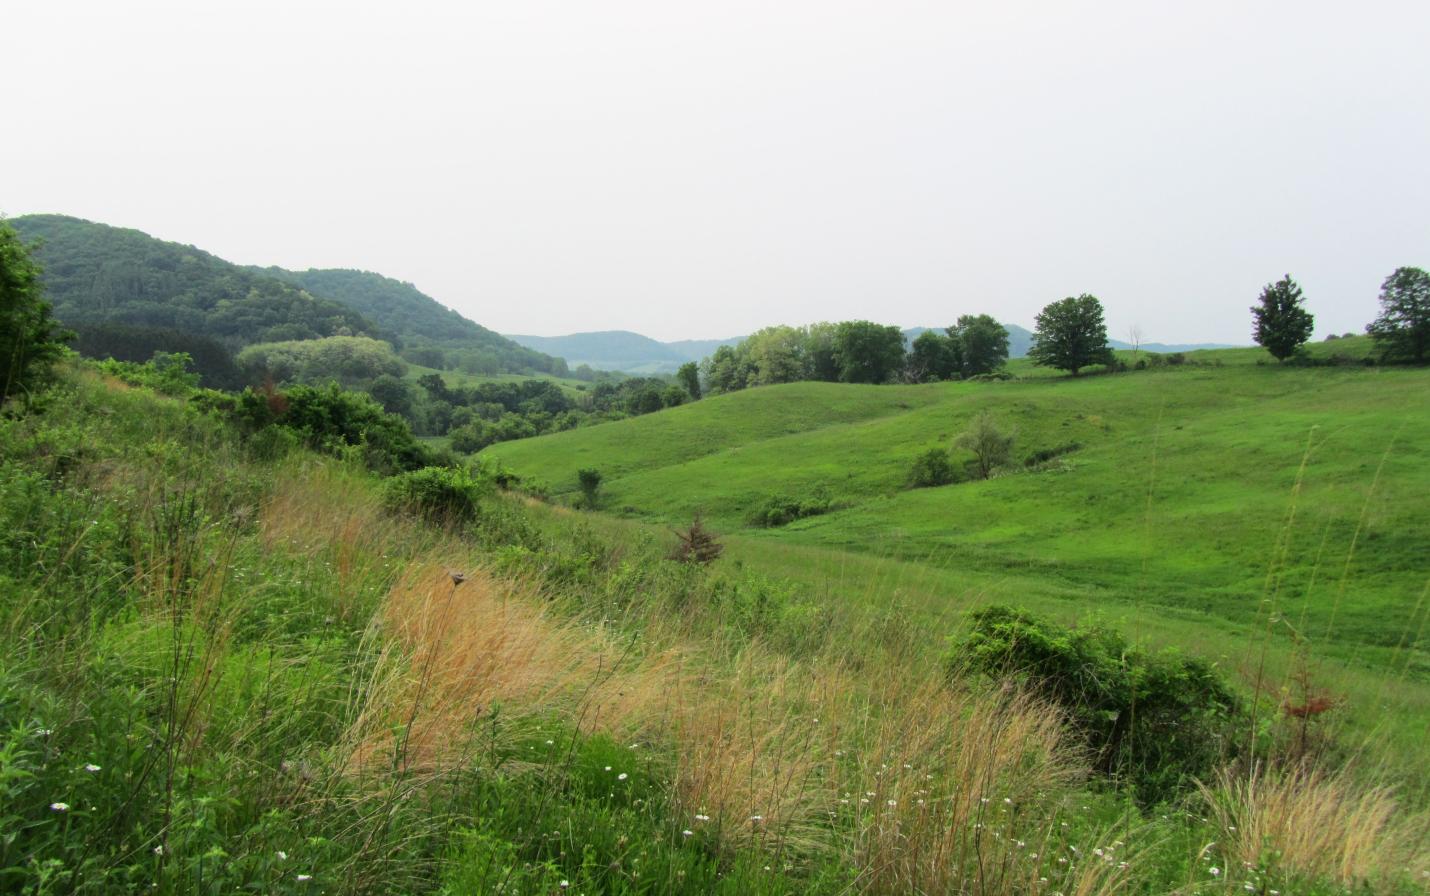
693 170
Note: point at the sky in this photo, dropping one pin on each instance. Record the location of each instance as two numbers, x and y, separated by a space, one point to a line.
703 169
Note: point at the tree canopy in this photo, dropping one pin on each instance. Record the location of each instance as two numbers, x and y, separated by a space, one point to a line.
1071 334
30 340
1282 323
982 344
1402 330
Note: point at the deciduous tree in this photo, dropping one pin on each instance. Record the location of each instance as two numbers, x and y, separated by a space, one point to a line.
1282 323
1070 335
1402 331
30 339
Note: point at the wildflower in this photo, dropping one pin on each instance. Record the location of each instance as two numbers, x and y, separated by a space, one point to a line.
1214 870
1249 886
303 878
44 732
91 767
757 818
687 833
622 776
1007 801
893 803
283 856
565 884
608 768
702 818
159 850
1098 851
60 807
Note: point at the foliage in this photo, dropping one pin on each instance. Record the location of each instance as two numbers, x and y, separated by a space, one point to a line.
781 510
30 340
335 421
1070 334
932 468
439 494
96 274
1402 329
1282 323
982 344
166 373
590 483
347 360
426 330
696 544
867 352
208 357
1158 721
933 356
689 378
991 446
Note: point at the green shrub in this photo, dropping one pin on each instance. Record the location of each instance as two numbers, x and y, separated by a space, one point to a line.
436 493
332 420
1043 455
781 510
931 468
1154 721
590 483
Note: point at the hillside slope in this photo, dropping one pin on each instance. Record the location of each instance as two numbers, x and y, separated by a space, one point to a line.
1174 487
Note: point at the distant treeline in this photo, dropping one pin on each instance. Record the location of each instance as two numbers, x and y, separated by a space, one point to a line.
858 351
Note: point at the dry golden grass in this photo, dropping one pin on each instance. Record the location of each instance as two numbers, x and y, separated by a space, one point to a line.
1316 823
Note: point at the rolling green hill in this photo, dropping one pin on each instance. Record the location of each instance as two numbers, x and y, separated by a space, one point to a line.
1179 486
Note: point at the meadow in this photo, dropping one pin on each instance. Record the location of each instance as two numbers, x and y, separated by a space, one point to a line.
232 661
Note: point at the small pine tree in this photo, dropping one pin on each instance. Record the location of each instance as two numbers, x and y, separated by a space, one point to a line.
697 544
1282 322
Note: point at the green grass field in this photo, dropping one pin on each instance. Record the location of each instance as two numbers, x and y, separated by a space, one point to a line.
1202 500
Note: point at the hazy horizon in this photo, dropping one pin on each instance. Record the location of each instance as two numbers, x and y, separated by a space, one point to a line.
686 172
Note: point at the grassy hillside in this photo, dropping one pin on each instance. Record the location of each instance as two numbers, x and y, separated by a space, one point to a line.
1185 490
231 664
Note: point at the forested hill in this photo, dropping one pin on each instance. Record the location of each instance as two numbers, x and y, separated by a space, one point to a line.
95 273
431 333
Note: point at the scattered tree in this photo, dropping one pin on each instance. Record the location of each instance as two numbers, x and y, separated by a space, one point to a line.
982 344
590 482
1070 335
30 340
1402 331
689 377
990 445
1282 322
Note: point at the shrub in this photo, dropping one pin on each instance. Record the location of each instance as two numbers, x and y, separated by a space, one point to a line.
990 445
436 493
1176 359
590 483
1156 721
931 468
781 510
331 419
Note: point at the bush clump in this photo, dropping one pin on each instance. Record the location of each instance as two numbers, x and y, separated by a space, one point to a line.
781 510
332 420
1154 721
438 494
932 468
